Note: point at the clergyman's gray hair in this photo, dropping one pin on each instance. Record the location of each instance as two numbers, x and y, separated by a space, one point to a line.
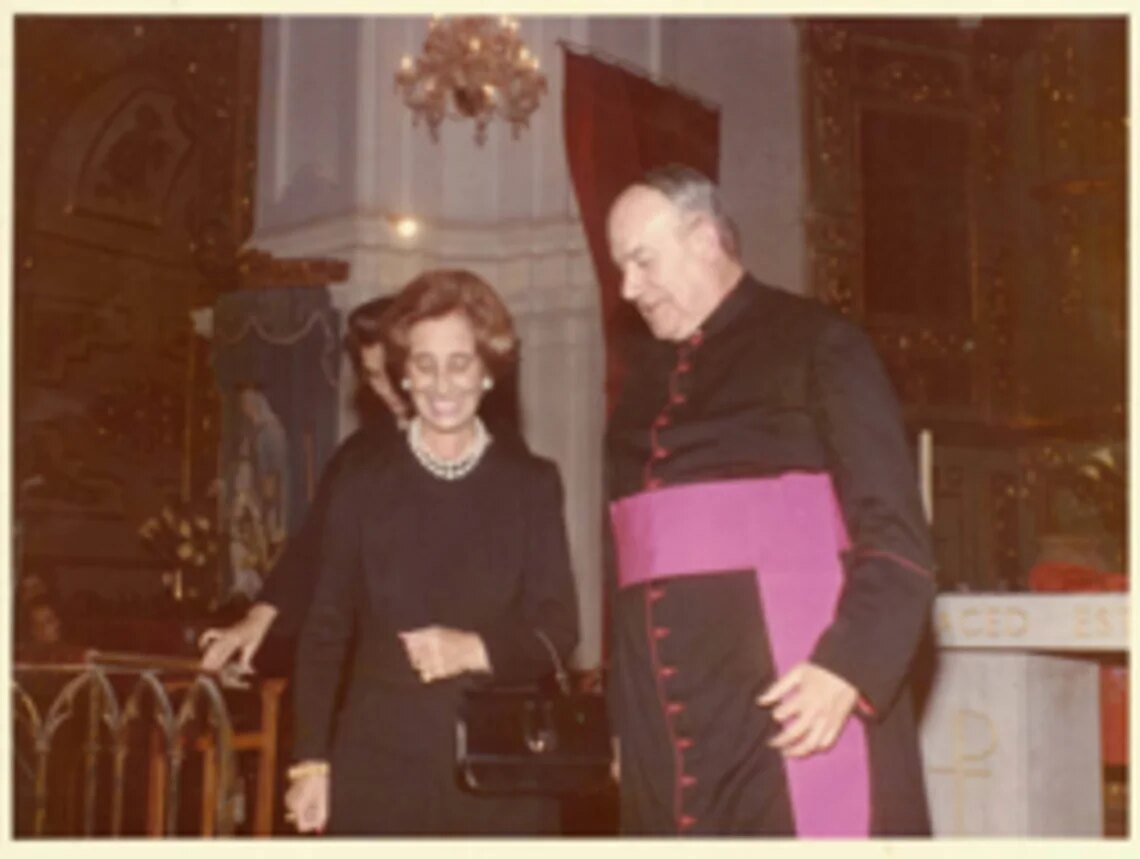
691 190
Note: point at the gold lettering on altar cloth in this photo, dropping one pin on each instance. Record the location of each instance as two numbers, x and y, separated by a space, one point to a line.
944 623
992 622
1100 622
969 755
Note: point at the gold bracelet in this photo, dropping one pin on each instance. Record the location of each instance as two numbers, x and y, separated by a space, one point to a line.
308 768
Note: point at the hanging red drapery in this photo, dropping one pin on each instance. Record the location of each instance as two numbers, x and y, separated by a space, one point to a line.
618 124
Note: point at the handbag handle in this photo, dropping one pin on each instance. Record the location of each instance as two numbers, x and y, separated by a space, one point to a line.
560 674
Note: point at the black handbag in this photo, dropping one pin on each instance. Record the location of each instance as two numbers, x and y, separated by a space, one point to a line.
533 739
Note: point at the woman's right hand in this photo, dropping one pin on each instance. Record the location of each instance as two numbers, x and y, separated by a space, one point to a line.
243 638
307 802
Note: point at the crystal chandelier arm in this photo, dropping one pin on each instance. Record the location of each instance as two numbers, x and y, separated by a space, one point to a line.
475 68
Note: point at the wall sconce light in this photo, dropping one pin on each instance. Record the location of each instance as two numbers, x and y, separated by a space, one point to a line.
404 226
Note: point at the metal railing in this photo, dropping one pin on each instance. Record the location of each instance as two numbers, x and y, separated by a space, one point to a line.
106 700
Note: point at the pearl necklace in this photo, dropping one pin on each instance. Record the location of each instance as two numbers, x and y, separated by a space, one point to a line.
444 469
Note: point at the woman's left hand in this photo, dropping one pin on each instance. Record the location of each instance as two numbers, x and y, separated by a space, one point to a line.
439 652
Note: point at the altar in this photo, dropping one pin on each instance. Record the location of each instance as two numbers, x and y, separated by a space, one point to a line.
1011 729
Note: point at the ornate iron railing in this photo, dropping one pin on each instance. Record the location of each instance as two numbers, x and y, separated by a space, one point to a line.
101 698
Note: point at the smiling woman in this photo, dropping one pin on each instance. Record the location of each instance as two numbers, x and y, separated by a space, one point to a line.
446 554
451 338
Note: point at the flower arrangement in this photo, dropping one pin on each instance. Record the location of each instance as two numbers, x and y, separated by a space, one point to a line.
183 536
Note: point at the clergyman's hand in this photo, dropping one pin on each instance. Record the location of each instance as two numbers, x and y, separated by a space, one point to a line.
812 705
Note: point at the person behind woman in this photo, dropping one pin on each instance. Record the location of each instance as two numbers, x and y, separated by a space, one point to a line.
447 554
283 600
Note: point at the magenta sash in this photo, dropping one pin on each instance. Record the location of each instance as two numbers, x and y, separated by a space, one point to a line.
790 530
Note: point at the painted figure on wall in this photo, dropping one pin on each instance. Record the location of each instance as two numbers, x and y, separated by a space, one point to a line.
258 498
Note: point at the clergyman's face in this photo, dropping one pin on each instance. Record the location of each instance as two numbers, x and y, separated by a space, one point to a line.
445 373
661 275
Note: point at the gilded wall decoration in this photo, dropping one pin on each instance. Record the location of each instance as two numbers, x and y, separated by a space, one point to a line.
912 78
134 164
832 245
826 61
258 269
865 80
1079 182
134 145
1032 341
65 334
1005 499
62 477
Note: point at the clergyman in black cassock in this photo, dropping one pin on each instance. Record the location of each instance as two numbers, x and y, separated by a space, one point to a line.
772 572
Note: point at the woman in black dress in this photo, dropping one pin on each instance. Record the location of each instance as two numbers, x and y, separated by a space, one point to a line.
288 590
445 556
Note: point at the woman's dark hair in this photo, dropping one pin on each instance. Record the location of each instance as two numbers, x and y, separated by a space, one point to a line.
365 328
441 292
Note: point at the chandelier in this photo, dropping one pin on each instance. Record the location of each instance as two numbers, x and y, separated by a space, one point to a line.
472 67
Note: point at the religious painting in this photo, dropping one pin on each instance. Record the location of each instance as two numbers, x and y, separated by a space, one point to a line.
276 359
255 510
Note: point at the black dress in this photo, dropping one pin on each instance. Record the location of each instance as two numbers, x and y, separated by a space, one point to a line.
403 549
775 400
289 586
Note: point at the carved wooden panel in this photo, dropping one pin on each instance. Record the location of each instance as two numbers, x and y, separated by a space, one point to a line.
1017 317
134 158
896 138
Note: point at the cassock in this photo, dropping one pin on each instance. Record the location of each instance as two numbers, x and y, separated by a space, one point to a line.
764 511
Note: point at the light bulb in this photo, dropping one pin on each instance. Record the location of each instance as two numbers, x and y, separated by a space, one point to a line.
406 227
